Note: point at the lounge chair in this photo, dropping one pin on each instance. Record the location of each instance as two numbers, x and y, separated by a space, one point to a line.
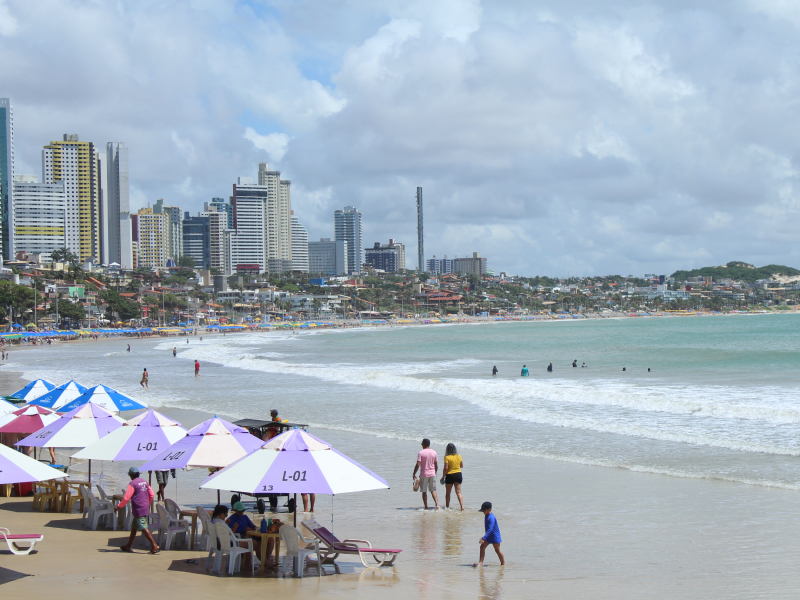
334 547
26 538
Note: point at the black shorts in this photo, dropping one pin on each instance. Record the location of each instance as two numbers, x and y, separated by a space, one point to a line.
450 479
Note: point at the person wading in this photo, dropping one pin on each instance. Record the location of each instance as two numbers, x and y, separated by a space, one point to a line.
428 465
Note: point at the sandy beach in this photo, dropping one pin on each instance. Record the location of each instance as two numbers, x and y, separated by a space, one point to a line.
569 530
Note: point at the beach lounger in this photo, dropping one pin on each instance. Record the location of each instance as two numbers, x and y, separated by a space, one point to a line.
334 547
27 538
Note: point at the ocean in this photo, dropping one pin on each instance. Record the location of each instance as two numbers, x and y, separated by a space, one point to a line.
678 482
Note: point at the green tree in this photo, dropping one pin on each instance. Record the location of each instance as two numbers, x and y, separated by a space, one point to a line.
63 255
185 261
69 310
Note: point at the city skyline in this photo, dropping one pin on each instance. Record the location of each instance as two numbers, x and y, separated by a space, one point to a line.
558 138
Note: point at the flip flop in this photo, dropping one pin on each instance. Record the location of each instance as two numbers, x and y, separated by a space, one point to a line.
128 550
156 551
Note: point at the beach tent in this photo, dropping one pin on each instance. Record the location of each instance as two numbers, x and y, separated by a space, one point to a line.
295 462
59 396
141 438
27 420
106 397
16 467
75 429
33 390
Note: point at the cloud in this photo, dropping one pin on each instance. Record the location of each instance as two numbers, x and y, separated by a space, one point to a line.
274 144
555 138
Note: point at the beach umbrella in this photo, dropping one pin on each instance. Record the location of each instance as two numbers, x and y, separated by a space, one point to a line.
104 396
213 443
75 429
59 396
33 390
16 467
141 438
27 420
295 462
6 408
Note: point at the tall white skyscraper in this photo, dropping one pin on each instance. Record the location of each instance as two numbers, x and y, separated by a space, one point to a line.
116 223
6 179
347 227
40 215
299 246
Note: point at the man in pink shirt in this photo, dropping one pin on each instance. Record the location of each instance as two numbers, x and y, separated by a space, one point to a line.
428 465
140 495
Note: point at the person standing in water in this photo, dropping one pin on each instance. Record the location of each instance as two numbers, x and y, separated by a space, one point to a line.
196 368
174 352
453 463
492 535
524 372
494 370
427 465
144 382
129 347
575 363
550 368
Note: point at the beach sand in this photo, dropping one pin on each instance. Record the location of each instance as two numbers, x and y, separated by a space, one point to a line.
569 530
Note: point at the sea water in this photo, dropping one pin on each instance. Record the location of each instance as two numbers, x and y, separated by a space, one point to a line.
720 398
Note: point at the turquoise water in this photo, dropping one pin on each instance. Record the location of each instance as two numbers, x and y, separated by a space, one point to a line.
720 400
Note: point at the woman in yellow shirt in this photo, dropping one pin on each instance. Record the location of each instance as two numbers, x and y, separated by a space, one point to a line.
452 474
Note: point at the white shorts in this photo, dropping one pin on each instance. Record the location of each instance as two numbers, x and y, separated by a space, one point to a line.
427 484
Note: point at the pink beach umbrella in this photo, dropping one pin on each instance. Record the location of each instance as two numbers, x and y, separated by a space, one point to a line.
16 467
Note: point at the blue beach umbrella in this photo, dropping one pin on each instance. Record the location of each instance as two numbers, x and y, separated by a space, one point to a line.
58 397
105 397
33 390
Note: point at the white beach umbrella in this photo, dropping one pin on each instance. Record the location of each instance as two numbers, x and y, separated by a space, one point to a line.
75 429
33 390
141 438
16 467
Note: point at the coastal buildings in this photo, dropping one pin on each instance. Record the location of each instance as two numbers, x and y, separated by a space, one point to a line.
40 215
474 265
115 243
299 246
6 179
347 228
224 207
151 232
440 266
328 257
217 225
420 236
197 240
175 240
76 164
390 258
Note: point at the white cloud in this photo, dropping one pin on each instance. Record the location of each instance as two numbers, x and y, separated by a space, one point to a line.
8 23
274 144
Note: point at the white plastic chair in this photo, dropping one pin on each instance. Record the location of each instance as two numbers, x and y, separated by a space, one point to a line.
95 508
168 530
229 545
213 547
203 538
291 537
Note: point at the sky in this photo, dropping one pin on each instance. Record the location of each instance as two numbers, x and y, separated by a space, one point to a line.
560 138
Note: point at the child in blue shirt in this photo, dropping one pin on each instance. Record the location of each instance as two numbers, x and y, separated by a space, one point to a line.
492 535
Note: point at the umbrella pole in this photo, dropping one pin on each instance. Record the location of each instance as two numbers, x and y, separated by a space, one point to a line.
150 483
295 510
90 474
218 502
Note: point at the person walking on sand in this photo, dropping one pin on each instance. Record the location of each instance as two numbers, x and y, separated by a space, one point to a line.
524 372
197 368
140 495
492 535
453 463
144 382
428 465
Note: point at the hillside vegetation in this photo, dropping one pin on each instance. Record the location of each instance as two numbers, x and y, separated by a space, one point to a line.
738 270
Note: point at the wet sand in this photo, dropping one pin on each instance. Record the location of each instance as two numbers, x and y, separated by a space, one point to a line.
569 531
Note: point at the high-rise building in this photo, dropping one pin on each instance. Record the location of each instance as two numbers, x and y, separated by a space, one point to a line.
75 163
262 235
197 240
152 237
175 242
440 266
390 258
474 265
116 211
328 257
347 227
217 226
7 179
223 207
299 246
40 215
